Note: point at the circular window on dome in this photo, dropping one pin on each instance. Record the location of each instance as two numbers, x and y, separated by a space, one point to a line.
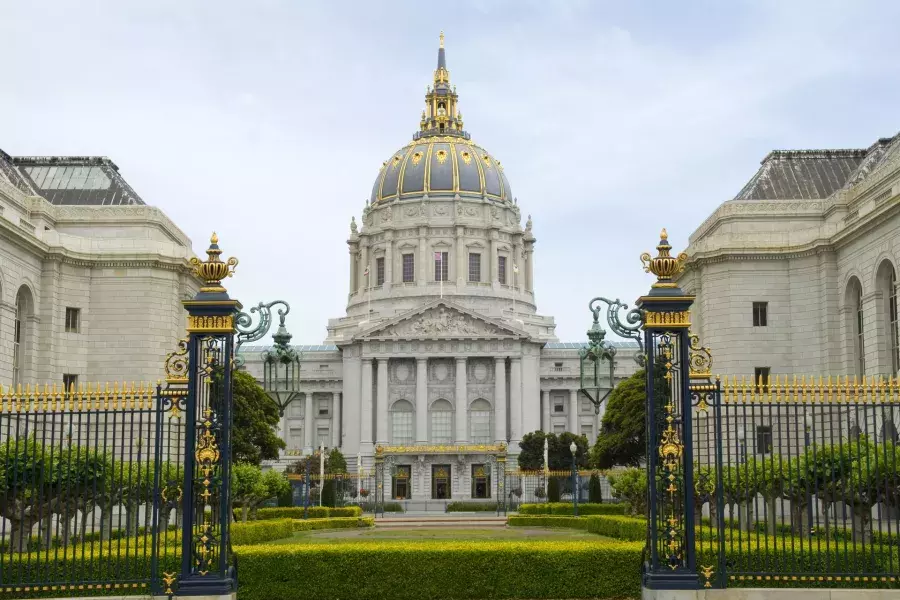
416 158
396 162
467 158
441 156
487 161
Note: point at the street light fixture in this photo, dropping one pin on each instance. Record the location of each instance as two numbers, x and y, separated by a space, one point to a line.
281 369
590 357
573 447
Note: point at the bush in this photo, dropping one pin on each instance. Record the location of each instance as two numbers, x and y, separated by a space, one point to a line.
338 523
595 491
472 507
328 495
553 490
630 486
315 512
380 571
548 521
565 508
391 507
258 532
619 527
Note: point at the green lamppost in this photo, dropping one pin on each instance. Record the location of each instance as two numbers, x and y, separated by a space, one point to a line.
592 355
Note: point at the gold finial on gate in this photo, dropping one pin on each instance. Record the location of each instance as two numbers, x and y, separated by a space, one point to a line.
213 270
664 265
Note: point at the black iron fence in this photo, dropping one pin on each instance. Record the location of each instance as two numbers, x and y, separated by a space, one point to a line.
90 488
796 481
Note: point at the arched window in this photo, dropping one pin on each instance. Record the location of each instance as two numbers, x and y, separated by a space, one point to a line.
402 430
24 310
857 327
887 285
480 421
441 421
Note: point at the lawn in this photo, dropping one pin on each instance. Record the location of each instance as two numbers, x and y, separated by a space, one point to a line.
439 534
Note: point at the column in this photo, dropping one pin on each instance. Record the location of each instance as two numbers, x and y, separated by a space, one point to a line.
492 259
423 263
516 260
500 400
308 424
388 260
336 424
462 400
381 402
365 412
363 263
529 267
350 398
422 400
462 270
573 411
545 411
515 401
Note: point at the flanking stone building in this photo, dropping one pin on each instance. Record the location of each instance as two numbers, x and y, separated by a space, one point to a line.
91 278
797 274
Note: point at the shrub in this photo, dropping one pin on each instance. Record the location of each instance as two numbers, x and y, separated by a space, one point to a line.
619 527
380 571
630 486
595 491
539 492
472 507
258 532
553 490
547 521
565 508
328 495
314 512
391 507
338 523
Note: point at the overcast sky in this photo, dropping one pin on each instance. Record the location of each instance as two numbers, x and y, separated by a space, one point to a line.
268 120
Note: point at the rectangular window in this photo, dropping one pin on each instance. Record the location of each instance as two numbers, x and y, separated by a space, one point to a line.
401 427
409 268
70 381
379 271
760 314
481 426
501 269
440 266
296 408
73 319
559 428
442 426
763 439
295 438
558 367
761 378
587 430
322 437
324 407
400 482
559 406
586 406
474 267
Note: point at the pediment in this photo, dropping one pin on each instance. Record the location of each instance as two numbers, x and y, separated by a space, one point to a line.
445 320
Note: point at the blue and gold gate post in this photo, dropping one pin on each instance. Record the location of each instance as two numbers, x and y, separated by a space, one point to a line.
207 567
670 477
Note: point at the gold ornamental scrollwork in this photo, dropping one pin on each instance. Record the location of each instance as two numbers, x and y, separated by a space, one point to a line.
169 581
674 320
207 455
210 324
177 363
700 359
707 573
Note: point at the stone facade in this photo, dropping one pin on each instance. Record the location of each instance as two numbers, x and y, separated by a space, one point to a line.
813 236
88 292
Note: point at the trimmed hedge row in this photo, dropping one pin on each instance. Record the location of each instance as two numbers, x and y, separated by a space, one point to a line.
337 523
548 521
616 526
259 532
314 512
564 508
493 570
391 507
472 507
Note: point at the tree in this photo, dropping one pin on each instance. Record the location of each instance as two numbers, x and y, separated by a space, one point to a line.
630 486
559 452
254 436
251 487
531 456
335 462
553 489
595 491
27 496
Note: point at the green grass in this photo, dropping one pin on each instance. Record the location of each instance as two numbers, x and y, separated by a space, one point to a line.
419 534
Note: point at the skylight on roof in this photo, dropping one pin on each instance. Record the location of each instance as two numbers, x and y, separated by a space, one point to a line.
69 178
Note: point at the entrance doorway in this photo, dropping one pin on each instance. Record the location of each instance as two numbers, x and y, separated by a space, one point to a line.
481 482
401 482
440 482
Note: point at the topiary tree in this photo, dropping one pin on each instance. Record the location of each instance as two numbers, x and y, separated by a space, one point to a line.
553 489
246 487
595 491
630 487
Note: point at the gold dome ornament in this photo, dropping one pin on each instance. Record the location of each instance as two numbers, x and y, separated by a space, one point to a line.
212 270
664 266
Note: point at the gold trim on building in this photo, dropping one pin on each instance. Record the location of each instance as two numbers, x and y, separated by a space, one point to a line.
679 319
443 449
210 324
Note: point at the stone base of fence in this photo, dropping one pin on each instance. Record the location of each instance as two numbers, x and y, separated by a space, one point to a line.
769 594
231 596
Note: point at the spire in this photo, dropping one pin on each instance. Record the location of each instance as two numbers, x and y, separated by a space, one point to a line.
441 115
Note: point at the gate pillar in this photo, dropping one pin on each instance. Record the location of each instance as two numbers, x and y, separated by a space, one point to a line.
670 477
207 567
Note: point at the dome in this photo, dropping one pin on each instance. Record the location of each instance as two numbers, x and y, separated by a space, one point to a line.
441 166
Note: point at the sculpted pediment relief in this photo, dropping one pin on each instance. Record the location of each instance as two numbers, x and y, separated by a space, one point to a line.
442 321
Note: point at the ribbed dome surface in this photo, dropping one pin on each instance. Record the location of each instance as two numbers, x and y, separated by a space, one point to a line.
441 166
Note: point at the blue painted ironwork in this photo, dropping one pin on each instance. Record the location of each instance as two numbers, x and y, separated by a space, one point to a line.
247 332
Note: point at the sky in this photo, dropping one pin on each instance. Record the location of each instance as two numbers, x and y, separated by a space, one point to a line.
267 121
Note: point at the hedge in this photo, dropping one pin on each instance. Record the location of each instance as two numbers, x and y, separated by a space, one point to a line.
548 521
472 507
618 526
391 507
565 508
338 523
492 570
258 532
314 512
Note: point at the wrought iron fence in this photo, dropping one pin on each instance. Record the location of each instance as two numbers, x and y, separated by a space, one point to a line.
797 480
90 488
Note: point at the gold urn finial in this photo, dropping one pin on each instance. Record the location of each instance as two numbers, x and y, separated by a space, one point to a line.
442 38
664 265
212 270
